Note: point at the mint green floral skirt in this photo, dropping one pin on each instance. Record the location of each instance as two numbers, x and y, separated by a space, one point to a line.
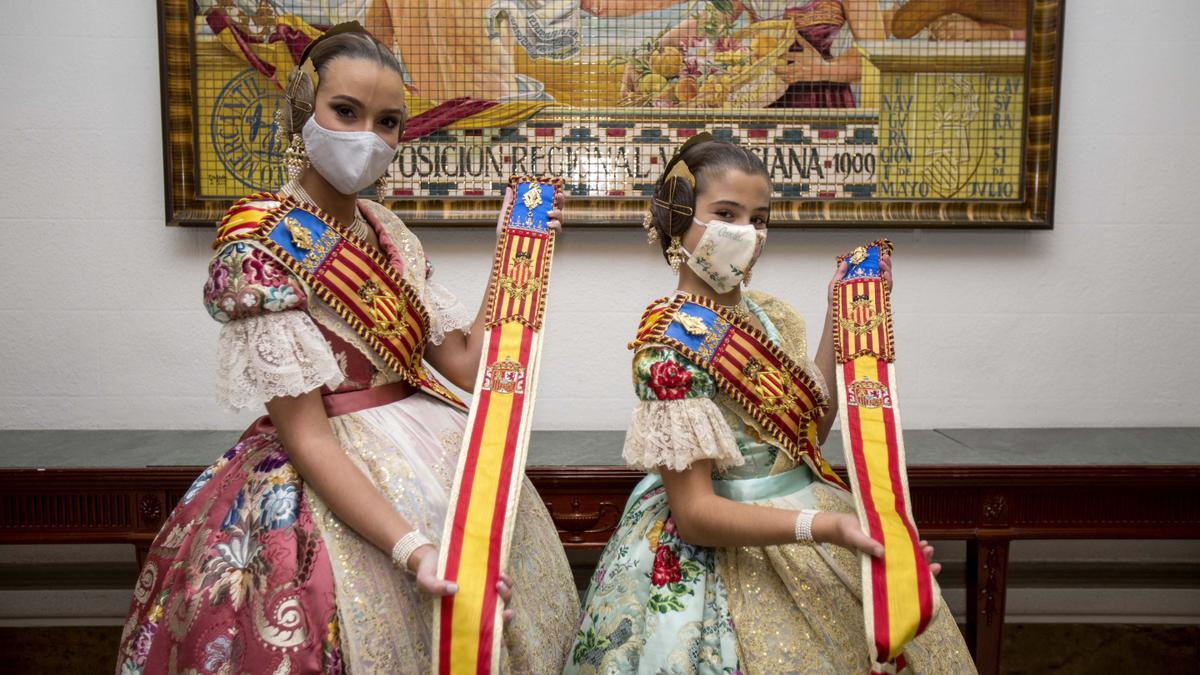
658 605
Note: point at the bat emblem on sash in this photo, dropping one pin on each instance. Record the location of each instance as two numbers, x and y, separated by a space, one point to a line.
521 280
300 236
863 317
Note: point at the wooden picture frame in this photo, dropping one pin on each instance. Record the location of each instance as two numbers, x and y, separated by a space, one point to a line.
996 75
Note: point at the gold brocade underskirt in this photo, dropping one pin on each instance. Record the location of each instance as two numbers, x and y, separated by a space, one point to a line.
409 449
798 608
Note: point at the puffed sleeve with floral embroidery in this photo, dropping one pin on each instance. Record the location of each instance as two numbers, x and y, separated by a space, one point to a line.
269 346
676 422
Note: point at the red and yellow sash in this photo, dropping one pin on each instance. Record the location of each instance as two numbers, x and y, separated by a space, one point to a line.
898 592
491 466
351 277
775 391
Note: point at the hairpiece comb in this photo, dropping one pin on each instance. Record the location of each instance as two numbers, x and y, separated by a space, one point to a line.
677 169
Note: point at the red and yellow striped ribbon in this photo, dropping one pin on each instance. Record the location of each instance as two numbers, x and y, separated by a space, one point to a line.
487 483
243 218
898 592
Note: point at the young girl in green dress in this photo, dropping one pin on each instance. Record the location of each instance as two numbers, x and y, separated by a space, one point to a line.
738 552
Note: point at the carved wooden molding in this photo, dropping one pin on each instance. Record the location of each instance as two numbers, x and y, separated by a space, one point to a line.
949 502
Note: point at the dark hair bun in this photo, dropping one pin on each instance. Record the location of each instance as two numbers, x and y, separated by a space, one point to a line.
673 205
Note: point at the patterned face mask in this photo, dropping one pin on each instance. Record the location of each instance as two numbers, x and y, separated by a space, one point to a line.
726 253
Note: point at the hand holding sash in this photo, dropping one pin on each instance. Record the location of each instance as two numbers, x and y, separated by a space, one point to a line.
487 483
899 596
885 273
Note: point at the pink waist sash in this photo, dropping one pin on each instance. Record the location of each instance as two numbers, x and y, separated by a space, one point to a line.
344 403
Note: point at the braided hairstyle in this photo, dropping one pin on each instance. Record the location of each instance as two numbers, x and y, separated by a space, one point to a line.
347 40
674 202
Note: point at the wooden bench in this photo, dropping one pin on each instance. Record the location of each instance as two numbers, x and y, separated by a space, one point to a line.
987 487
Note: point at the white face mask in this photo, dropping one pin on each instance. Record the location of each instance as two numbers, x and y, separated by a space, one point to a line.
349 160
726 253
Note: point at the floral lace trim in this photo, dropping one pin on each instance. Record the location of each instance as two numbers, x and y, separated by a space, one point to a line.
446 313
675 434
276 354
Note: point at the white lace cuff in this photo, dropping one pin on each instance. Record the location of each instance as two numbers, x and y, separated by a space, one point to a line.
269 355
675 434
446 313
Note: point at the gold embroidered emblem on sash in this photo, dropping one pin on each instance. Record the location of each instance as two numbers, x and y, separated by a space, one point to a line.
533 197
857 255
693 325
505 377
774 388
385 308
301 237
863 317
520 280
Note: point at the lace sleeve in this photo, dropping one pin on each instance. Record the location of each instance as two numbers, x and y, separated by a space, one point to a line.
677 422
675 434
446 313
273 354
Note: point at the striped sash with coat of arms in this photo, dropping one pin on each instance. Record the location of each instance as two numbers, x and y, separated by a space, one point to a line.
899 594
468 630
349 275
771 388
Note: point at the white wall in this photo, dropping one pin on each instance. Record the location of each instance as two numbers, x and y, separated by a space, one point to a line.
1092 323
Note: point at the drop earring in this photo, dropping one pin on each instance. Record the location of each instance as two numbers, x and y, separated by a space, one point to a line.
381 187
746 278
675 254
295 158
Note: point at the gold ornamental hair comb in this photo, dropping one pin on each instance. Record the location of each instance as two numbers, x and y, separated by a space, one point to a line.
306 65
677 169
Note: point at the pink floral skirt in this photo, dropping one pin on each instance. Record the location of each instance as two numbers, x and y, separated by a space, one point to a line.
238 580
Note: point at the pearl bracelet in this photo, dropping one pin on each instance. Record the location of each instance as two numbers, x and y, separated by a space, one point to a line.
804 522
405 546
